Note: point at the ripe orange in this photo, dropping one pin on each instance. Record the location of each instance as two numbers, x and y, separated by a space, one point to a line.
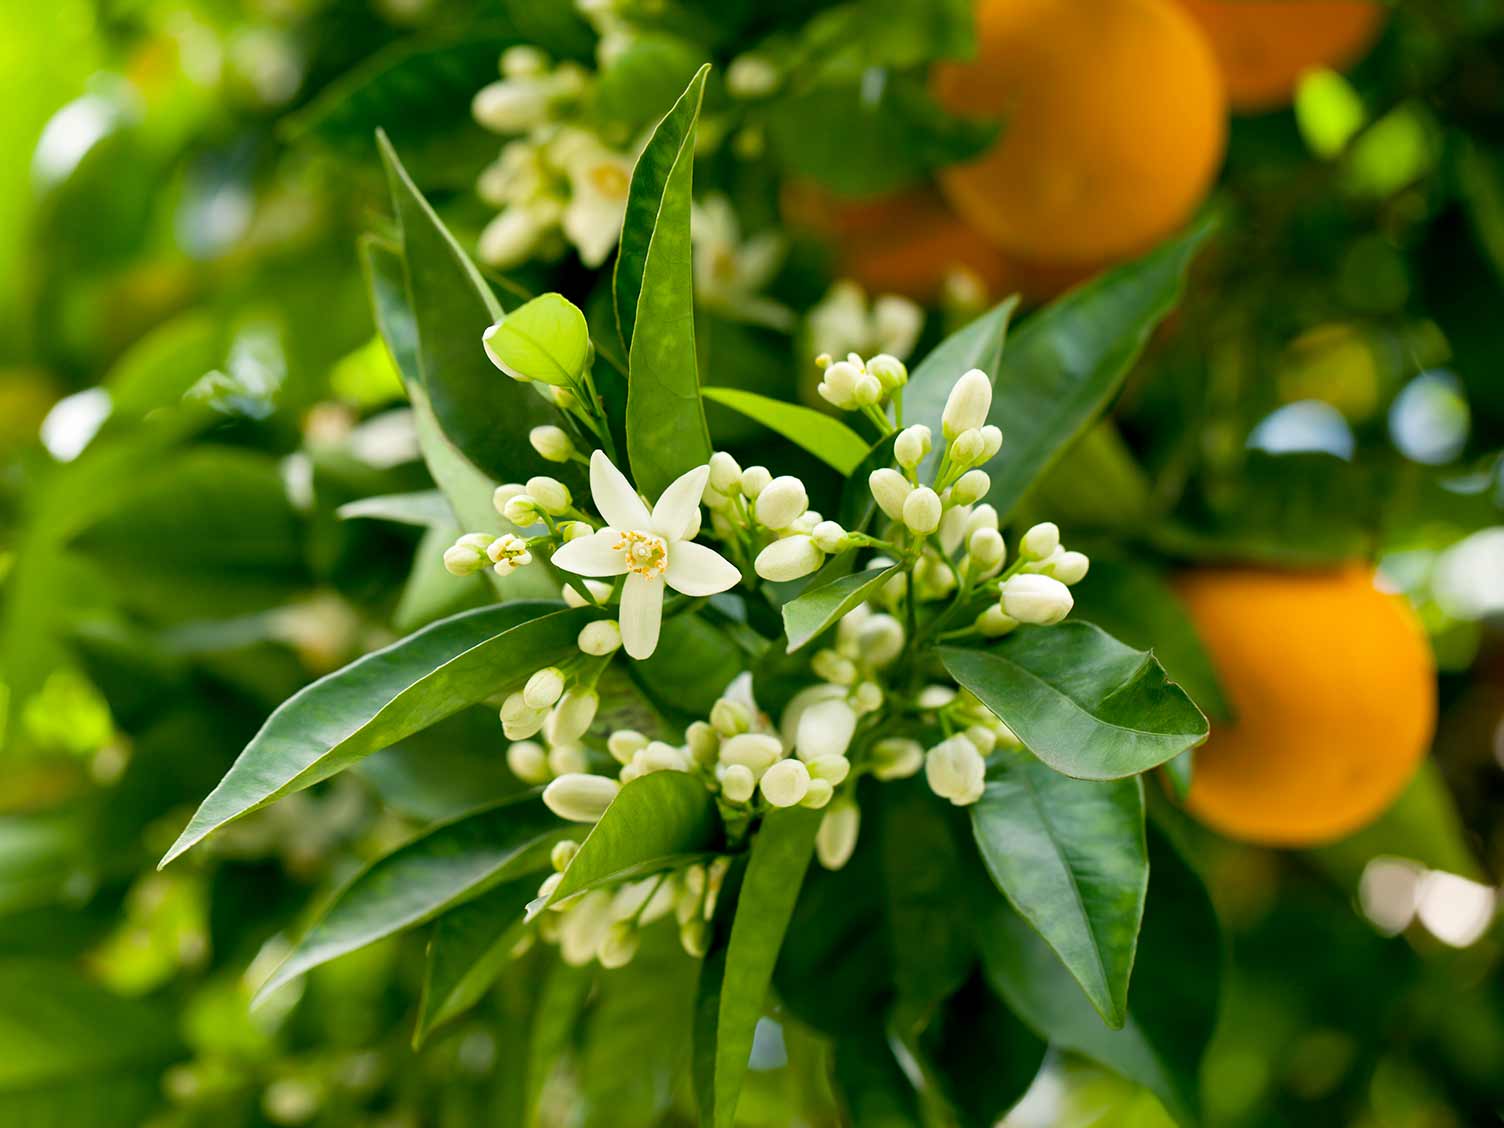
1264 46
1114 124
1334 690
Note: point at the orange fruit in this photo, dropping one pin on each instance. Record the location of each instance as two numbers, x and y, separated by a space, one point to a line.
1264 46
1334 690
1113 126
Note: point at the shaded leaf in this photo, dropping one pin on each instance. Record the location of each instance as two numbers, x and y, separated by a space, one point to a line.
874 1089
692 666
979 1055
1070 856
467 951
808 616
424 508
1080 700
827 438
382 697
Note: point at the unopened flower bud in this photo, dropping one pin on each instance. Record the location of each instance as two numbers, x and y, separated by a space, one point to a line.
551 443
982 737
527 760
730 717
956 771
889 370
522 511
1038 599
981 517
825 729
725 474
579 797
566 758
987 548
834 667
574 530
830 537
880 640
785 783
992 442
737 783
543 688
781 502
755 479
967 405
867 391
619 945
751 76
1040 541
789 559
835 840
468 554
995 622
694 938
922 511
912 444
838 384
623 744
704 742
966 448
972 486
818 794
756 751
574 714
660 756
525 725
890 490
562 854
867 697
600 638
1070 567
551 495
832 769
503 494
935 697
896 757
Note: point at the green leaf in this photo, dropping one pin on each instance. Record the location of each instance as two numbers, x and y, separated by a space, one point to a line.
484 413
666 430
827 438
692 666
438 870
426 508
545 339
734 980
1067 361
979 1055
874 1089
1171 1005
806 617
642 81
382 697
656 822
977 344
1080 700
1070 856
1133 603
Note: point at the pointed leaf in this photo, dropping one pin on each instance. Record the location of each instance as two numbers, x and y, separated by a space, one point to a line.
666 430
1080 700
656 822
806 617
469 947
824 436
734 980
484 413
1070 856
425 508
441 868
545 339
1171 1006
382 697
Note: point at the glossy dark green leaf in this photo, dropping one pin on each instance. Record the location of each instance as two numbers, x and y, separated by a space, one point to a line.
1171 1005
486 414
1070 856
650 180
666 430
734 980
1066 362
824 436
470 945
424 508
806 617
656 822
1080 700
977 344
979 1055
438 870
382 697
692 666
874 1089
1133 603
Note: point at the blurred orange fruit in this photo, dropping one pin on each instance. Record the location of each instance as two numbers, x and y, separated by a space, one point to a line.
1334 689
1264 46
1114 123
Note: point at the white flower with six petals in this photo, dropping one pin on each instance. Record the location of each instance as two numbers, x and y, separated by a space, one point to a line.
650 548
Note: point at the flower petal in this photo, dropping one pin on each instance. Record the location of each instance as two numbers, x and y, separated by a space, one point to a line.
641 613
677 504
696 570
595 555
614 496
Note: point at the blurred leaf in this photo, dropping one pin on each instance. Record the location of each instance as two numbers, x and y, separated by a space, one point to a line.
73 1054
452 306
382 697
445 770
425 508
1065 363
874 1089
1171 1005
1080 700
440 869
545 339
738 968
666 430
470 945
158 369
808 616
1070 856
827 438
642 82
657 822
1133 603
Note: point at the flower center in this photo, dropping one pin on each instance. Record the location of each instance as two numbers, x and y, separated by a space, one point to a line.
647 555
610 180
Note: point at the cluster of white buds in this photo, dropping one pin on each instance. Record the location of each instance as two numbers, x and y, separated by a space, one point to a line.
539 501
474 551
561 711
531 92
1037 590
854 384
752 508
956 768
845 321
